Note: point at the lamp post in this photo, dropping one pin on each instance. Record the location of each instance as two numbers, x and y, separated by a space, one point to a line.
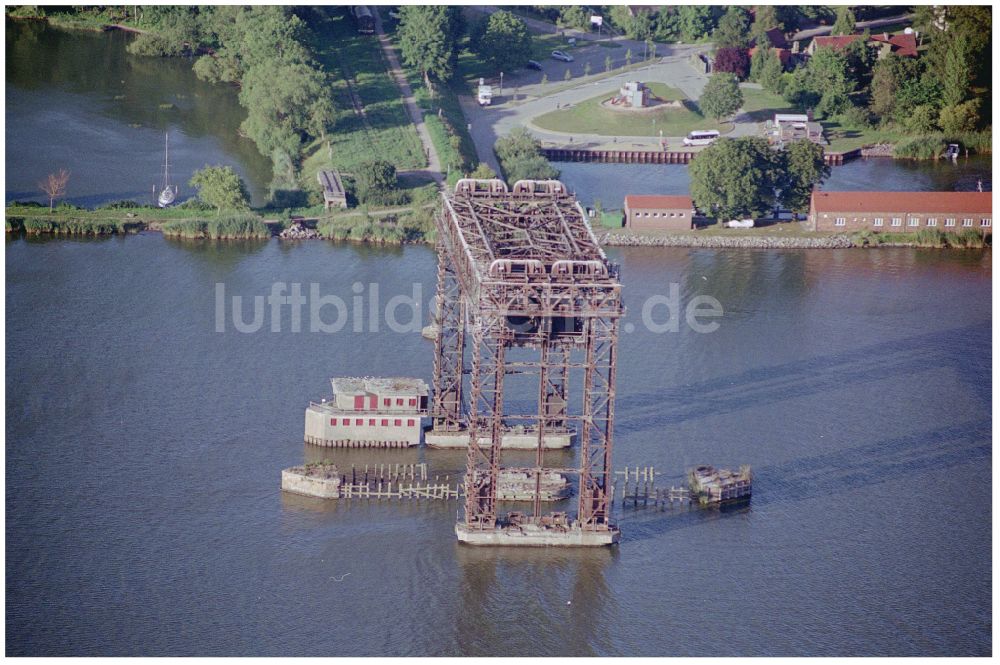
501 84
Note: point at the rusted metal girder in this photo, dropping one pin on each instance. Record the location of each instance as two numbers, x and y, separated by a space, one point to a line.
523 270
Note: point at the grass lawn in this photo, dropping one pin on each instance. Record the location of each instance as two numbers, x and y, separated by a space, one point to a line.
589 117
761 105
357 64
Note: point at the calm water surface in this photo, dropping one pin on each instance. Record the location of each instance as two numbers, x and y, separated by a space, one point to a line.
77 100
609 183
143 454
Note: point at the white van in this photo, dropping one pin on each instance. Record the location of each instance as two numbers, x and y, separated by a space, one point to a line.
701 137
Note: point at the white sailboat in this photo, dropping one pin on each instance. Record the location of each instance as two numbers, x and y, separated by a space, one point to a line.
167 193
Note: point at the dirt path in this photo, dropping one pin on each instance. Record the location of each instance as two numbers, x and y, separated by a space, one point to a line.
416 116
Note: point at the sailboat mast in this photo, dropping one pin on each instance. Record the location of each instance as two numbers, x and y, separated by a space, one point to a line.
166 160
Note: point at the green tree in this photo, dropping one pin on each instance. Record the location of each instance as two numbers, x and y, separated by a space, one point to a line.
373 179
284 99
771 72
765 18
483 172
222 187
636 27
735 178
721 97
506 41
803 168
823 84
956 73
844 25
574 16
889 75
732 28
921 119
695 21
964 117
520 156
667 25
426 41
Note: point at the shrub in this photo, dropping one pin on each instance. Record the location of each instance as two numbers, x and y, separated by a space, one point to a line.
374 179
921 147
124 204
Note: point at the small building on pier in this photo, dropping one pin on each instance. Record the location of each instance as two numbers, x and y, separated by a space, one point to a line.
333 189
658 213
369 412
901 211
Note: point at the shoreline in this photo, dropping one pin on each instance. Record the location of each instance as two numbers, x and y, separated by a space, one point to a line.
839 241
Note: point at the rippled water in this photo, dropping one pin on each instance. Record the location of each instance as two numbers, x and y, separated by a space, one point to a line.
144 514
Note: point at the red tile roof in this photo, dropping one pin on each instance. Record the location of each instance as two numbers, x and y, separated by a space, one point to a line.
837 43
658 201
904 45
904 202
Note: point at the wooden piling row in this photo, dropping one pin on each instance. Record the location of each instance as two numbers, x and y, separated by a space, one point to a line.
656 156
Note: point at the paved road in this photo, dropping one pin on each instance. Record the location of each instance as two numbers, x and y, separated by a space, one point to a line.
535 99
433 169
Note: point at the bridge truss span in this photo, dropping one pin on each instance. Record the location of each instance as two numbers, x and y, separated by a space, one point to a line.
524 284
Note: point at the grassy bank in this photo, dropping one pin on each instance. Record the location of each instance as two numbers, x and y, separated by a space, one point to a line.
372 122
968 239
410 226
96 18
229 226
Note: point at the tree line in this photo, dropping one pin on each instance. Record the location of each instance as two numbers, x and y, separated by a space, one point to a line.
431 38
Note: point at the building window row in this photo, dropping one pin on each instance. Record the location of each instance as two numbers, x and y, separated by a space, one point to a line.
657 214
384 422
399 401
914 221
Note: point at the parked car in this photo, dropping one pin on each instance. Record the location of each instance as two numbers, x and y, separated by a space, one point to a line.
560 55
534 64
740 224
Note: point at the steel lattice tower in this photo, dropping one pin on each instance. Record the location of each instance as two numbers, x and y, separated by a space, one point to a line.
522 276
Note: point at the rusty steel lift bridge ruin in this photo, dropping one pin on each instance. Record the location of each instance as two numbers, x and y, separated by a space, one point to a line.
521 273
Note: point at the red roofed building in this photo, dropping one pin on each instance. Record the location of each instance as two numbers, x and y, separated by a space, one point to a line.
838 43
658 213
901 211
902 45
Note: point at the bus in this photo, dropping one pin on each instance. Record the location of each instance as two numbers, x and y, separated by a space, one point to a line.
701 137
